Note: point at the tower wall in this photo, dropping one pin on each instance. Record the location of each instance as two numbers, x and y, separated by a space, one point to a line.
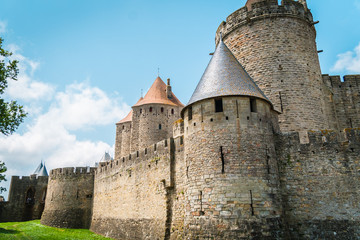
69 199
123 139
276 45
231 171
18 208
342 101
146 130
319 180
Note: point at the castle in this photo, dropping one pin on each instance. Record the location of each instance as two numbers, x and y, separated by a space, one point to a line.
266 148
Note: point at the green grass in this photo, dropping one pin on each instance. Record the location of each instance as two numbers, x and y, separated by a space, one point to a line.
34 230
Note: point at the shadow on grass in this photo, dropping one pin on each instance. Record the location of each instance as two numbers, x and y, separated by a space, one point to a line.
8 231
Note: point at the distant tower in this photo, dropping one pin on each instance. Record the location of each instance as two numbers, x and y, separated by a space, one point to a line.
276 45
150 120
232 178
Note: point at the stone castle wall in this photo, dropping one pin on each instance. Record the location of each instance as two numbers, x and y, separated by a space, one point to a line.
276 45
122 140
231 171
69 199
342 100
151 123
136 192
319 180
18 208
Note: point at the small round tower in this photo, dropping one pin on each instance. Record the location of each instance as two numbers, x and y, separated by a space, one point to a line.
123 136
232 177
276 45
69 198
154 115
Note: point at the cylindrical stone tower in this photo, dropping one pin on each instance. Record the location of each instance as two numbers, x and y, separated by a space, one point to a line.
69 198
276 45
123 136
154 115
232 172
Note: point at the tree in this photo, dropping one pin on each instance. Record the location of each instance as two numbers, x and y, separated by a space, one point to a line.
11 114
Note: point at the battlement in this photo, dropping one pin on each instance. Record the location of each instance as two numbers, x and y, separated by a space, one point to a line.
29 178
143 155
324 138
261 10
335 81
68 171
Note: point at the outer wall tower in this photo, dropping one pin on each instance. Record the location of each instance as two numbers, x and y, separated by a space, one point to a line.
276 45
231 167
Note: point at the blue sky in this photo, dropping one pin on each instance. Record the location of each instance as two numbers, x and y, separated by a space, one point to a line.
83 64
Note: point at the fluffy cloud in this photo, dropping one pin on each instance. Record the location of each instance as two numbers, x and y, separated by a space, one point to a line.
26 88
349 61
80 106
2 27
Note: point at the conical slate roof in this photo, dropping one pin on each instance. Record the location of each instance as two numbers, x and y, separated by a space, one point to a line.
106 157
43 171
157 94
37 170
224 76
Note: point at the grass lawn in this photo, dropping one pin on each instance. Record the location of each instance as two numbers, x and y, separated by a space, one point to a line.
34 230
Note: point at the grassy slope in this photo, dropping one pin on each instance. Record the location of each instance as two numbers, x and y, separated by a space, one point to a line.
35 231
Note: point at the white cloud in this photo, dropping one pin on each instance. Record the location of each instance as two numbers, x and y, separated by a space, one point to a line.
3 26
26 87
349 61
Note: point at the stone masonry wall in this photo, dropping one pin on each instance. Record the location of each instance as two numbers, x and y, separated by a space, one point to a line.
152 126
123 139
133 194
342 101
276 45
69 199
320 184
231 171
18 208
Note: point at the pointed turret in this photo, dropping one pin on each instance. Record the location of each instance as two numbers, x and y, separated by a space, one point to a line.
159 93
43 171
37 170
224 76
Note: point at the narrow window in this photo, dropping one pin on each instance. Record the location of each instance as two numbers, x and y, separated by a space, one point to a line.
140 110
251 204
162 109
137 153
222 160
155 147
145 151
129 156
181 140
172 111
253 105
150 109
165 143
218 105
190 113
160 126
123 127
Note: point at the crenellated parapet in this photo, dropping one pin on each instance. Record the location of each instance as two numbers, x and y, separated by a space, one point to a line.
261 10
318 182
71 171
342 101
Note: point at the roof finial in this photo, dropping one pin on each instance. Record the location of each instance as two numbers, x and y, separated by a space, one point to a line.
158 71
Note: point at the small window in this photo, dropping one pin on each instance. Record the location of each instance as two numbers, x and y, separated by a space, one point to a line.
160 126
140 110
123 127
253 105
162 109
190 113
218 105
181 140
150 109
172 111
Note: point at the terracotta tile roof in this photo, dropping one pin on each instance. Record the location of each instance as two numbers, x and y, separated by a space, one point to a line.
157 94
128 118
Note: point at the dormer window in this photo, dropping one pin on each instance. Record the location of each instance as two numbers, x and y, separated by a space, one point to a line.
219 105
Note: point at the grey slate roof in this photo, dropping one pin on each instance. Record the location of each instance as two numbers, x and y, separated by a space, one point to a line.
41 170
106 157
224 76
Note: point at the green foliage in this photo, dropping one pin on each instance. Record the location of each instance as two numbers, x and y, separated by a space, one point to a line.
35 230
11 113
2 177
